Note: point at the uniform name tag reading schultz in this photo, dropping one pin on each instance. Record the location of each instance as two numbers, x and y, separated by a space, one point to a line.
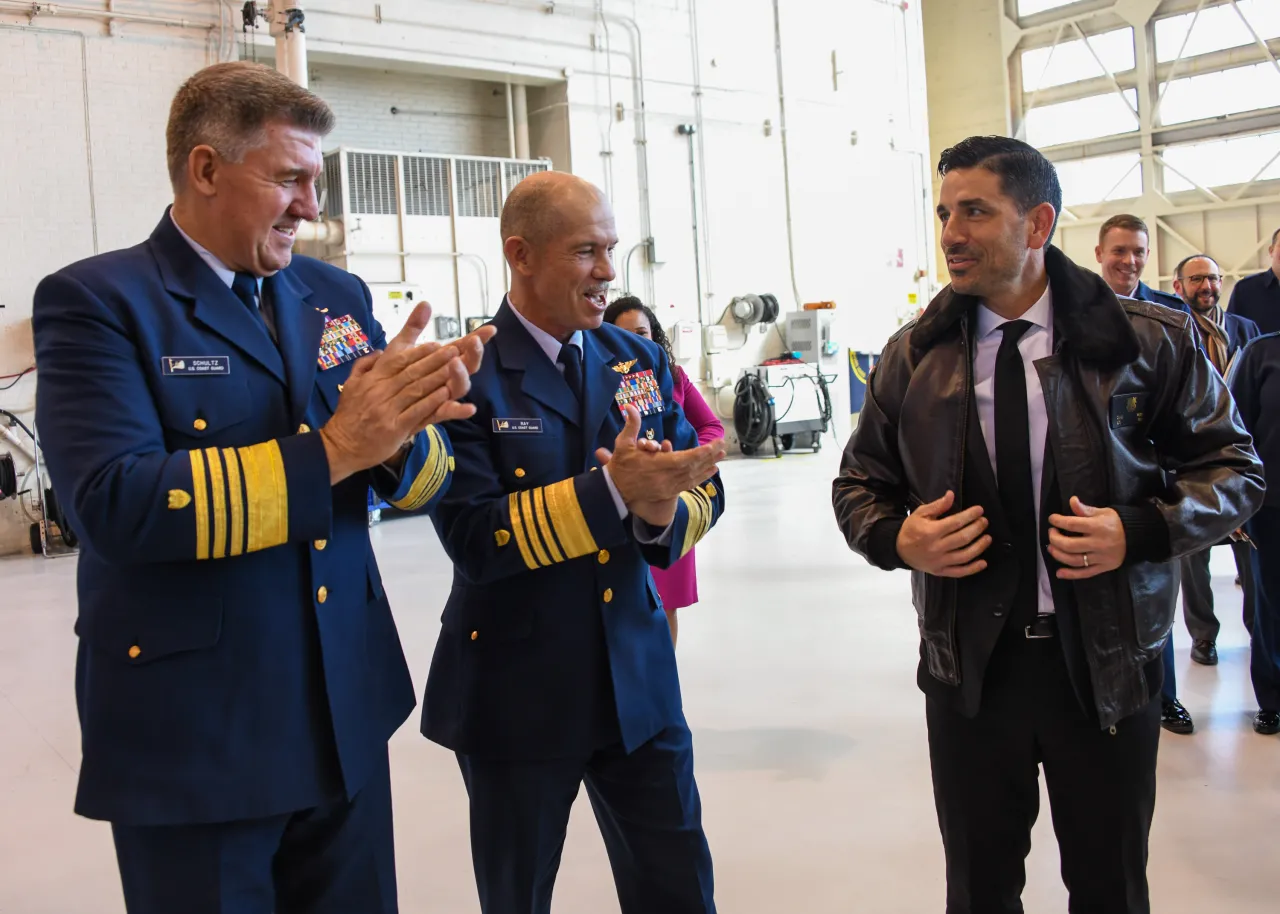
196 366
517 426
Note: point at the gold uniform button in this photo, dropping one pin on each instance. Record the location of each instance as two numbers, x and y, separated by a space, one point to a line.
339 388
502 537
608 595
135 652
603 557
303 428
710 490
322 594
200 425
475 635
593 469
519 473
320 544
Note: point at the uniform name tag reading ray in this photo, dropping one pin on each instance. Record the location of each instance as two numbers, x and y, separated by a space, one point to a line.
517 426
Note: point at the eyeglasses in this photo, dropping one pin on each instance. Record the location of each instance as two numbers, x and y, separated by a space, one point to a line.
1199 278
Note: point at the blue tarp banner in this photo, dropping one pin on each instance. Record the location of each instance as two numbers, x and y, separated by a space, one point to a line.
860 365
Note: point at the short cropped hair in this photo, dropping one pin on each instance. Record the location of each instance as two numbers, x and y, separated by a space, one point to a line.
1126 221
228 106
1024 173
533 208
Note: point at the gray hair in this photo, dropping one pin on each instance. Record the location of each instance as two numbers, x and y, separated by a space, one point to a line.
228 106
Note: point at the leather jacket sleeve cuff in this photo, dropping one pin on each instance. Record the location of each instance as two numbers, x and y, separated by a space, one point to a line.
882 544
1146 534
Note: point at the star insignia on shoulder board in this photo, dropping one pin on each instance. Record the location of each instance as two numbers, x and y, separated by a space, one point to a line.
624 367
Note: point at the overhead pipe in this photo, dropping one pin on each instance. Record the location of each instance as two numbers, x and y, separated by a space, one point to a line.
690 131
520 115
288 27
699 126
326 231
786 164
511 122
34 9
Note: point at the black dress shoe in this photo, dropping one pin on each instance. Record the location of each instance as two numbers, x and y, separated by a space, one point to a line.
1266 722
1175 718
1204 652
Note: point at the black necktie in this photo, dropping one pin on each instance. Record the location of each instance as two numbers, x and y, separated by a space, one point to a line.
571 359
1013 440
245 286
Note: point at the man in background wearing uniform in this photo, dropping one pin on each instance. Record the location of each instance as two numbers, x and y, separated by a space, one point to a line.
1198 281
1123 246
555 663
239 671
1257 297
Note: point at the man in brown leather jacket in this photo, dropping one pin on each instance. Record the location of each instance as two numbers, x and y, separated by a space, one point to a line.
1038 451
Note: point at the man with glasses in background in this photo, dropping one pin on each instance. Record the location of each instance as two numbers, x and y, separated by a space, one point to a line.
1198 282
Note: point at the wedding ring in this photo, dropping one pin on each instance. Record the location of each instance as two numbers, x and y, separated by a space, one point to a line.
1086 560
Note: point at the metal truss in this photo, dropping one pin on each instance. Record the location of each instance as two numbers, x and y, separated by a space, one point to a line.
1084 21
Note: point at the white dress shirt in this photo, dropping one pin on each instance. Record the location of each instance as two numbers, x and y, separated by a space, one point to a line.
551 346
1036 343
223 272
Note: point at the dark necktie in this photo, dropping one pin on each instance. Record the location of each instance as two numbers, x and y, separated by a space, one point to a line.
571 359
1013 440
245 286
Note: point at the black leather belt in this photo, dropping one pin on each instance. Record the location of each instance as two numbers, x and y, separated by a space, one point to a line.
1045 626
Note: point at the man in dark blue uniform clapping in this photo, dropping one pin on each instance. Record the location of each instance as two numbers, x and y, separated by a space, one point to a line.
239 671
555 663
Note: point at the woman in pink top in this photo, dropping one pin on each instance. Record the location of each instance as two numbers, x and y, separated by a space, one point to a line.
677 585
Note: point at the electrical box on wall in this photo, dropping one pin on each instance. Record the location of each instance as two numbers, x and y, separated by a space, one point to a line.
392 305
684 340
715 338
447 328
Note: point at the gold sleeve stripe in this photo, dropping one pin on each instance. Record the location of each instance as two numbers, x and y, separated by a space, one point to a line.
708 511
217 493
526 514
266 495
700 515
568 520
235 495
517 527
199 489
544 526
699 508
429 479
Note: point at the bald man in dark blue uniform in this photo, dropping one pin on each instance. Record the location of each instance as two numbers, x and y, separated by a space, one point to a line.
555 663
